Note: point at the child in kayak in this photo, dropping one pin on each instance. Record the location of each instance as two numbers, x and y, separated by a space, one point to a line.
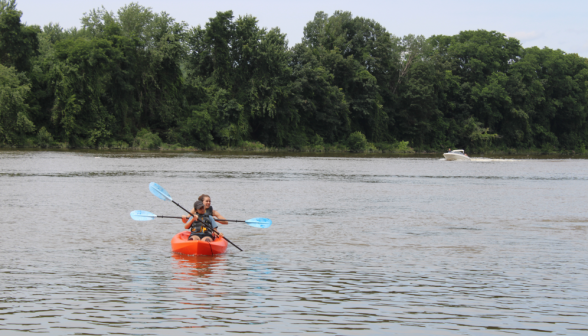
205 199
200 226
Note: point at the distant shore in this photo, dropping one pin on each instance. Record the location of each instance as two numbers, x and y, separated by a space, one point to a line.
218 150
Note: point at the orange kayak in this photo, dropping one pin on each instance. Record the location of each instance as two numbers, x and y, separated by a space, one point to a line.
181 244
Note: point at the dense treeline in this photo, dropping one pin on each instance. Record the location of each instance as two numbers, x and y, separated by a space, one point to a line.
138 78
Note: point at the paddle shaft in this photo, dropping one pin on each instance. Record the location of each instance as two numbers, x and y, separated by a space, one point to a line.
181 207
225 238
224 220
212 229
221 220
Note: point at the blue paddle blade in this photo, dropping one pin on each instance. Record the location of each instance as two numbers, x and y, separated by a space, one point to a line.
261 223
159 192
141 215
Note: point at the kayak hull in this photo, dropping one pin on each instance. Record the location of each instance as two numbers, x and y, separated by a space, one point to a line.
181 244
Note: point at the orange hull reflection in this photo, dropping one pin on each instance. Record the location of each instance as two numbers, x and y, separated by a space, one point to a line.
197 265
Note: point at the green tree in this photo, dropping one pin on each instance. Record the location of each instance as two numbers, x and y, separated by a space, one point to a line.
550 90
83 77
357 142
477 64
137 76
251 66
118 74
363 58
321 104
18 42
14 119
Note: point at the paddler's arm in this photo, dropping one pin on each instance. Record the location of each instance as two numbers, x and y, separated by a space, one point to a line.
218 217
218 233
185 217
188 222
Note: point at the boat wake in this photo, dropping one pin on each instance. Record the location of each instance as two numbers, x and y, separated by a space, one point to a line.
484 160
492 160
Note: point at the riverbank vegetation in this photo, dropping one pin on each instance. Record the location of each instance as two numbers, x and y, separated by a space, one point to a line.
138 79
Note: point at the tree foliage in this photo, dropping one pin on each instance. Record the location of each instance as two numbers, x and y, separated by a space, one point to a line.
141 78
18 42
14 119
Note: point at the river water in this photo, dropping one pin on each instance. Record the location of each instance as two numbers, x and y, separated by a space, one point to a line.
359 245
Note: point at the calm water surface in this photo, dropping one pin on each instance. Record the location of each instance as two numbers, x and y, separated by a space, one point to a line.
359 246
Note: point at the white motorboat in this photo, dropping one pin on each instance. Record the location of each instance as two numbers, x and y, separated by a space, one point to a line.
456 155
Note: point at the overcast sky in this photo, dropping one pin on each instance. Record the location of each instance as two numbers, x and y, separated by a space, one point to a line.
554 24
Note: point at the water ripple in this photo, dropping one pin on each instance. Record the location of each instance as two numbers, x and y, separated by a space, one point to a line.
359 246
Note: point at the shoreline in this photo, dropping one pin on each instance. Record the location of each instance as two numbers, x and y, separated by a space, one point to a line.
302 153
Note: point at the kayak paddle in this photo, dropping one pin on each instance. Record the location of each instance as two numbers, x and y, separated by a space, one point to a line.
142 215
258 222
162 194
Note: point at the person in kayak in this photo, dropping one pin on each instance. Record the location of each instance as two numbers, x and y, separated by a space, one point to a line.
205 199
200 226
210 211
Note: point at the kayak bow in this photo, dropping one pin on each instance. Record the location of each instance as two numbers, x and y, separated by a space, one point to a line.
181 244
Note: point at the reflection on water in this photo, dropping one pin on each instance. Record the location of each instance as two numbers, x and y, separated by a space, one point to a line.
359 246
188 266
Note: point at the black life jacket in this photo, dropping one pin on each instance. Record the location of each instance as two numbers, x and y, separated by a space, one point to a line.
199 227
209 211
201 224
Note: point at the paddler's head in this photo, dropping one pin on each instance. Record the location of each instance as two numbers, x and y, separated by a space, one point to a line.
205 199
199 207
